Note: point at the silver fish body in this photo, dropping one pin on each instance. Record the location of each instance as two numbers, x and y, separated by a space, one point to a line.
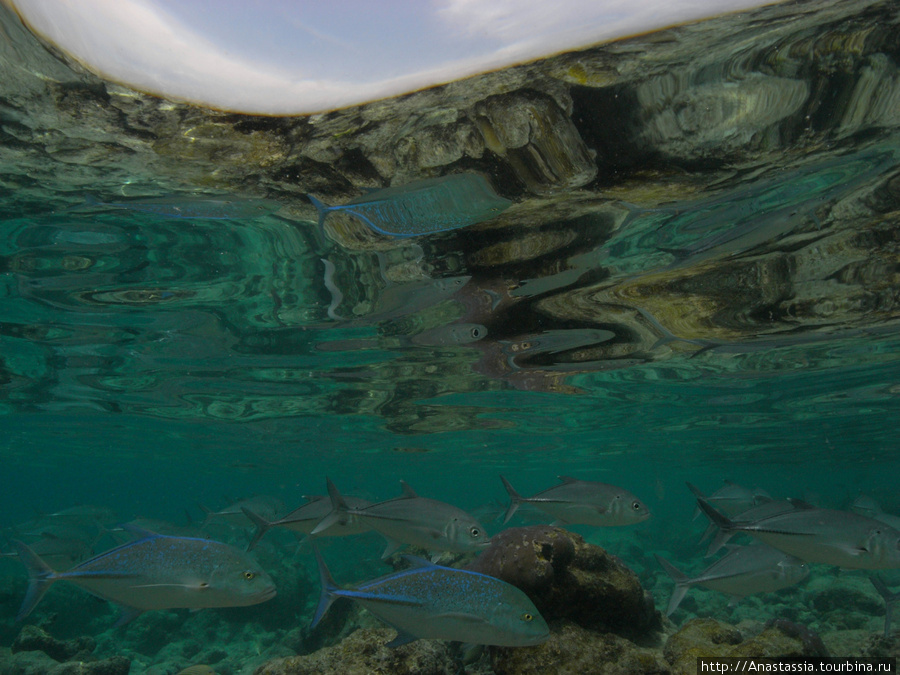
428 601
825 536
743 571
305 519
411 520
196 208
582 502
158 572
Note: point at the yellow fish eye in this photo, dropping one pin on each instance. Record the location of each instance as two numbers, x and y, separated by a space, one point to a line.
527 616
248 575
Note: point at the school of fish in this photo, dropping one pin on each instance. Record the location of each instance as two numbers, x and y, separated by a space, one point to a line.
156 565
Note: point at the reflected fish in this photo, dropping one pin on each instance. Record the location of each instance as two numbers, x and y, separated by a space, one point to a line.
582 502
157 572
453 334
428 601
197 208
424 206
826 536
744 571
307 517
411 520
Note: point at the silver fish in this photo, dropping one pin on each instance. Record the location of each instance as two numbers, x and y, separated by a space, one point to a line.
411 520
307 517
424 206
428 601
733 498
826 536
764 510
745 570
157 572
196 208
581 502
866 506
265 506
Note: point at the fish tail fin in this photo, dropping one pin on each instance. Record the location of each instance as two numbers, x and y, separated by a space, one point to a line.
889 599
323 211
514 500
338 509
207 514
721 538
262 526
681 583
329 589
40 577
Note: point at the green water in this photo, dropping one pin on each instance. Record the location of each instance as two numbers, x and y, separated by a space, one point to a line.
728 313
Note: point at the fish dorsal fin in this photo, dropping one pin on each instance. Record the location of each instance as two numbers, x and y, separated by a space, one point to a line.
567 479
416 562
408 492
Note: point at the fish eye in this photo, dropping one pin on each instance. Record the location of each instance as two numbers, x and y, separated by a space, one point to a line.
248 575
636 506
527 616
475 532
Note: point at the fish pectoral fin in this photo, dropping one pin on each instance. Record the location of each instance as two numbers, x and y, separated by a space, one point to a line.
127 615
403 638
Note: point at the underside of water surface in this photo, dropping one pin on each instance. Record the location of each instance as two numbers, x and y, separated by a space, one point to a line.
681 263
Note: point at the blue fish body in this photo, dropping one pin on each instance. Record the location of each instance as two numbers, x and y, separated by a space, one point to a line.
423 207
428 601
157 572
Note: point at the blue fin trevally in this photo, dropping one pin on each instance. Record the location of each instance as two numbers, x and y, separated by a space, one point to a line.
582 502
828 536
411 520
157 572
743 571
428 601
423 206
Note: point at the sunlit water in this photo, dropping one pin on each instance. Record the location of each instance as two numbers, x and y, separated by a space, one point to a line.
726 314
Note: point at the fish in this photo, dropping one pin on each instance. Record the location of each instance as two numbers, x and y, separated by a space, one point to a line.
411 520
428 601
743 571
581 502
450 335
265 506
195 208
867 506
764 510
827 536
308 516
733 498
156 572
423 206
197 670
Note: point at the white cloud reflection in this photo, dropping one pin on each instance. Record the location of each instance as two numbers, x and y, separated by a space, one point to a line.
302 56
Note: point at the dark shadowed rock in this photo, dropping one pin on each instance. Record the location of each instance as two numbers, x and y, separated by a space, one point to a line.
568 578
32 638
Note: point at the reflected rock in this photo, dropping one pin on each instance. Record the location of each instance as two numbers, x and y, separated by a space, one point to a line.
538 139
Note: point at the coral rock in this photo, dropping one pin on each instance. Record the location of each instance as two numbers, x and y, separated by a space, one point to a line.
567 578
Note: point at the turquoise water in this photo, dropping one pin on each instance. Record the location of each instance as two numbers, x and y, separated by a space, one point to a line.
714 302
